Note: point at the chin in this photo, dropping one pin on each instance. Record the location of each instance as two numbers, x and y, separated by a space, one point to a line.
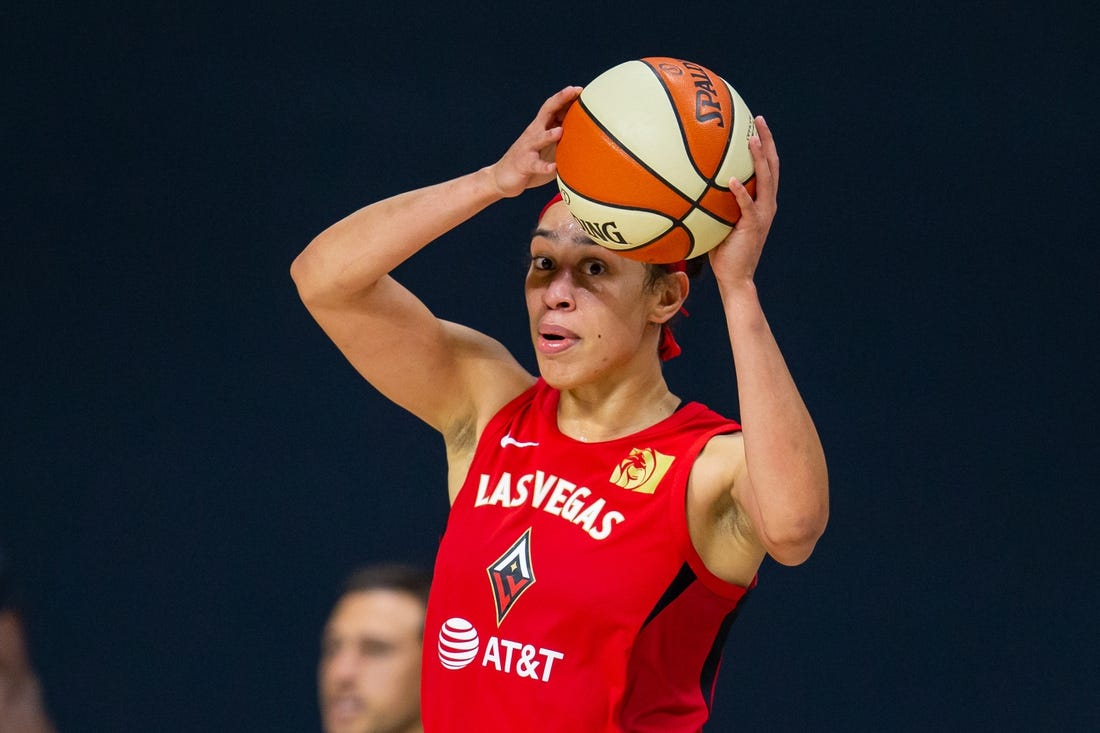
563 376
554 373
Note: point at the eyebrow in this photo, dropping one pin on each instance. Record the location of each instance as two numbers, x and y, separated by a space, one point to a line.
553 235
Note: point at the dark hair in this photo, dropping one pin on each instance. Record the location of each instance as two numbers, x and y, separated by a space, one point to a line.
693 268
402 577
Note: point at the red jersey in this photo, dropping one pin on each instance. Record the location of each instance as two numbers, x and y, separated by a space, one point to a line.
567 594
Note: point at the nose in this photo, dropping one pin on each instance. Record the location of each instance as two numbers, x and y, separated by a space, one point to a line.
342 665
559 293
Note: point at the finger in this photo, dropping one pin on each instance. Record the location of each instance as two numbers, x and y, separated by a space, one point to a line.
762 170
545 143
761 167
767 141
554 108
744 198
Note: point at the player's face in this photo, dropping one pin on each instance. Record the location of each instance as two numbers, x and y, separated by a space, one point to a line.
369 673
589 307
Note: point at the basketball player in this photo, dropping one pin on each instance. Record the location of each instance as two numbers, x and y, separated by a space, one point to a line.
602 530
369 673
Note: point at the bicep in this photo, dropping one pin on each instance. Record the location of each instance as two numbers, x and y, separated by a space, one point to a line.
439 371
762 514
720 511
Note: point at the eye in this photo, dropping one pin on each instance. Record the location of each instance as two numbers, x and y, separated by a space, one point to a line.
375 648
594 267
540 262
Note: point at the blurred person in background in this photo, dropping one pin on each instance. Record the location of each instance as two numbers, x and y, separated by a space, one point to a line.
369 672
22 708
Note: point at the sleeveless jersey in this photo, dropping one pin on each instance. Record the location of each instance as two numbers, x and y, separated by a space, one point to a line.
567 593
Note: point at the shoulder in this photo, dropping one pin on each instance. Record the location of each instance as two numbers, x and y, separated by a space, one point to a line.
717 469
493 380
488 375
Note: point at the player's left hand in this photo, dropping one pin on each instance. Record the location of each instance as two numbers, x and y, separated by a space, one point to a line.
734 261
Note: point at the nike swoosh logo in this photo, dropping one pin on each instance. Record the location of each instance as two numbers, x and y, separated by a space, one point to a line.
508 440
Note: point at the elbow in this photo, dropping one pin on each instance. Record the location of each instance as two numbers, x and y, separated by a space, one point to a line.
301 270
792 543
306 274
298 268
327 279
793 551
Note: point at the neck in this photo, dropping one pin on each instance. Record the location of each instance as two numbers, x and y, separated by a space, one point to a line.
594 414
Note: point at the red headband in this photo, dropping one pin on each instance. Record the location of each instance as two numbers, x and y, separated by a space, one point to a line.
667 348
557 197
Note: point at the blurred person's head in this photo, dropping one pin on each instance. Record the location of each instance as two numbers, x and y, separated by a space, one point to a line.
369 672
22 707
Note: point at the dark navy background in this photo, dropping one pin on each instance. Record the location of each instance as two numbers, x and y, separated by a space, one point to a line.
188 467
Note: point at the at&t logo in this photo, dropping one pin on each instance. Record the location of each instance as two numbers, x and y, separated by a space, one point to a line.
459 645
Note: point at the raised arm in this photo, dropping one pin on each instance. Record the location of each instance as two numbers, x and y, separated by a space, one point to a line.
783 487
444 373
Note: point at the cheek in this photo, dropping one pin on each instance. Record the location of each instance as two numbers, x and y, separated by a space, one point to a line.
606 347
533 297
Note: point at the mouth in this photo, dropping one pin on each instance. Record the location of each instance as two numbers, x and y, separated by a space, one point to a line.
554 339
343 708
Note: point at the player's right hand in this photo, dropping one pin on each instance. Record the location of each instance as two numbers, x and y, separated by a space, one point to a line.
529 162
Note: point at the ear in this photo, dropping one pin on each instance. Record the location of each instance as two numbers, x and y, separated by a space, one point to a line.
672 291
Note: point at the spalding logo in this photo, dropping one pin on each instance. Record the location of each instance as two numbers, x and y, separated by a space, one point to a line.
458 643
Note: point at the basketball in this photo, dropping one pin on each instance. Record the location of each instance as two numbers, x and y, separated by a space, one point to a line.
646 155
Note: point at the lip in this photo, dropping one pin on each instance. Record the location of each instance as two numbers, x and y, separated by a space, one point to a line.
344 707
554 339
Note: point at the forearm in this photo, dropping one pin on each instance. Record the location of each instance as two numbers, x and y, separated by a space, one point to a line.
788 481
346 259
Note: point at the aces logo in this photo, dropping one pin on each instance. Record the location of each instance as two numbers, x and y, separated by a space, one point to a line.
460 645
642 470
511 575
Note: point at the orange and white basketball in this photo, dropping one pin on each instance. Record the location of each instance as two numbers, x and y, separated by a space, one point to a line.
646 156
